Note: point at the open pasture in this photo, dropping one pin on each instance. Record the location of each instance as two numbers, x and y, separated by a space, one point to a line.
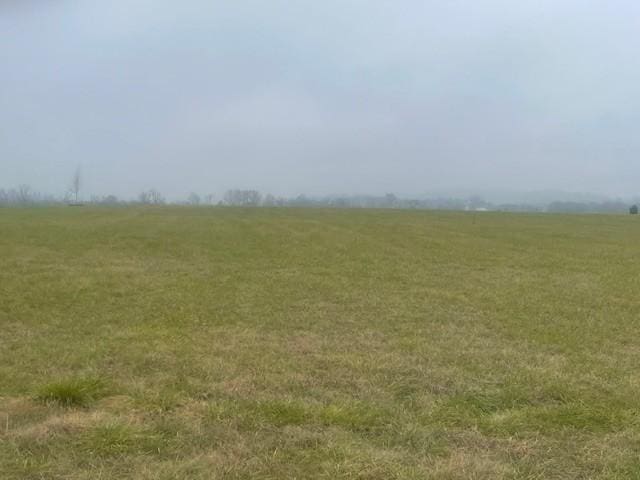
199 343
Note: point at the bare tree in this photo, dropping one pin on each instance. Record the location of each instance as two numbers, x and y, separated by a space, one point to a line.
76 183
151 197
24 194
246 198
156 197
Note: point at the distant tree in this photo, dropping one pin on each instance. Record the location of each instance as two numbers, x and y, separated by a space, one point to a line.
144 198
104 200
269 201
242 198
254 198
76 183
633 210
24 194
229 197
475 202
339 202
301 201
156 197
151 197
390 200
194 199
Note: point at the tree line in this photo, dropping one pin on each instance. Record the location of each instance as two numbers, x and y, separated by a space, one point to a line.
25 195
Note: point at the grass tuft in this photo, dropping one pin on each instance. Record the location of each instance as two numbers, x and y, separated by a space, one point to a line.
75 392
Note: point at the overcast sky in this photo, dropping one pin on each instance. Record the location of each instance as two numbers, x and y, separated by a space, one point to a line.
320 97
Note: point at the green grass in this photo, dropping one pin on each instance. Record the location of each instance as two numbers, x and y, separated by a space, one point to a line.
164 343
76 392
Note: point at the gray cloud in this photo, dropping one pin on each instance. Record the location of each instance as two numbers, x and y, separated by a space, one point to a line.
320 97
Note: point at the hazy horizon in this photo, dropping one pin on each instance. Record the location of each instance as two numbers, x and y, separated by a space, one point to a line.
321 98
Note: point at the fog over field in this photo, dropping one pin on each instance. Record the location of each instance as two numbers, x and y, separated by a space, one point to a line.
338 96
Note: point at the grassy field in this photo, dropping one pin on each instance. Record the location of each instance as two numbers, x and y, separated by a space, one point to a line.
205 343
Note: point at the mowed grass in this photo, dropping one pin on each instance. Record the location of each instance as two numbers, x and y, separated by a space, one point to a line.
203 343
